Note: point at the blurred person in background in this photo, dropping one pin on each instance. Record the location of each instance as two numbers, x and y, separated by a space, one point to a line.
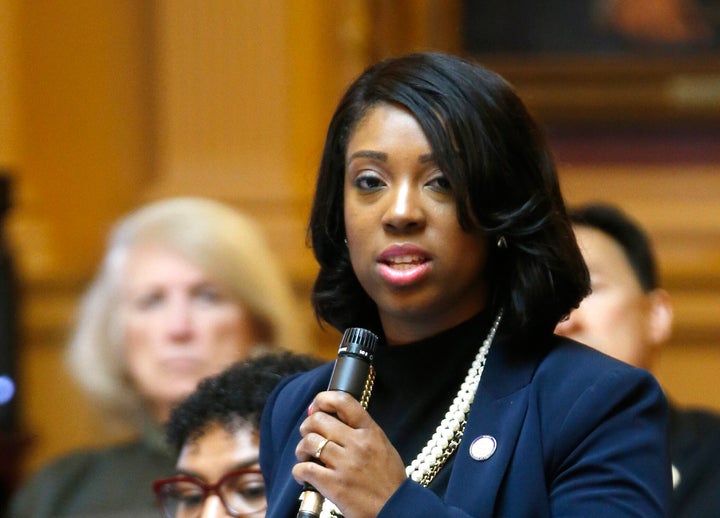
629 316
215 432
187 287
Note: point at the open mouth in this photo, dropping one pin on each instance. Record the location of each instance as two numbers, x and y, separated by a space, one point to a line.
404 269
405 262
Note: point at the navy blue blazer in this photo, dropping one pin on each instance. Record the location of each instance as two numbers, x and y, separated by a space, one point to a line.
579 434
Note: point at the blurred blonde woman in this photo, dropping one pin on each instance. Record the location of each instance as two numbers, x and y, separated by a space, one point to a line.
187 287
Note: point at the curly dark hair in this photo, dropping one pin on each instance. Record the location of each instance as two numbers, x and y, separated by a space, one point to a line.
234 397
502 173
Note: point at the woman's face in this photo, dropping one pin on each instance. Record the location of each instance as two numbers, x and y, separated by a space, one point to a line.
407 248
179 326
217 452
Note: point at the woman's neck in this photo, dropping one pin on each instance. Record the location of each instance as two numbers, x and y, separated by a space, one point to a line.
400 330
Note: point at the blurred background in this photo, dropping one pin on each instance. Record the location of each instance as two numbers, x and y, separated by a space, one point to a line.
105 105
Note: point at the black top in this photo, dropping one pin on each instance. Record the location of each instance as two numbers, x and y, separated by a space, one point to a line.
416 383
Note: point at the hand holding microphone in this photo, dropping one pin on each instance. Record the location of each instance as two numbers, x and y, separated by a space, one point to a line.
352 374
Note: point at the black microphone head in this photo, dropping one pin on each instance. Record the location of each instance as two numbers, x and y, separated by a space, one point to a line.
358 342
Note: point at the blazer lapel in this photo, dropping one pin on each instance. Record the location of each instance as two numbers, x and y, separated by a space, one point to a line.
498 410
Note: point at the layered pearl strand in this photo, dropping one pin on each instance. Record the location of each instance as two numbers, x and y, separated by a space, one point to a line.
449 432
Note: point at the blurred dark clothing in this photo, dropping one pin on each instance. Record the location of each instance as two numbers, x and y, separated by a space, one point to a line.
111 482
695 454
11 440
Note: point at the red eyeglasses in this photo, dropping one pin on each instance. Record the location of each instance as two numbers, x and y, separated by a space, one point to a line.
242 492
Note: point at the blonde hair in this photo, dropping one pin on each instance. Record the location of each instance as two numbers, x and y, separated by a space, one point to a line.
231 250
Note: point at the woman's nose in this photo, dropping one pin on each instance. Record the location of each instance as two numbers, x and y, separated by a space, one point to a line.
213 508
179 319
404 211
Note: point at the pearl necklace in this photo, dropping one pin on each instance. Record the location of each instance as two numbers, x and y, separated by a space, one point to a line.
449 432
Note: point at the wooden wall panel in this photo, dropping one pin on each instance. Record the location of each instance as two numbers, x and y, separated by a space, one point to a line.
222 100
84 140
8 84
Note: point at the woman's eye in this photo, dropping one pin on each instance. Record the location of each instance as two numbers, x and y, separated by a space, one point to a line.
243 491
368 182
251 492
208 294
192 500
148 300
440 183
187 497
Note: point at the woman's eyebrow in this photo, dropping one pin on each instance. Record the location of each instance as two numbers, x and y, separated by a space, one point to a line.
248 463
187 473
427 157
383 157
375 155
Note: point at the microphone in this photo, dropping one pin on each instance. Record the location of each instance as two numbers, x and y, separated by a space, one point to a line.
350 374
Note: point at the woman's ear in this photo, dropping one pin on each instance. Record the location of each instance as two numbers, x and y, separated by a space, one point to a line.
660 317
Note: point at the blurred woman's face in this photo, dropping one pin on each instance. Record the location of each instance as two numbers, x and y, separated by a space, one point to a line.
179 326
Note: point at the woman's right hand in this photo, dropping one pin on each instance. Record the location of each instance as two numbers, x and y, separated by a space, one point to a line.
360 468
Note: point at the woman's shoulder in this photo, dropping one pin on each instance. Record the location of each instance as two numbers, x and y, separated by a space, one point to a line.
557 369
64 467
60 475
81 460
71 465
577 363
579 385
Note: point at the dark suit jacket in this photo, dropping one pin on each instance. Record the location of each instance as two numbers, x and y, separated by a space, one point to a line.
578 433
695 453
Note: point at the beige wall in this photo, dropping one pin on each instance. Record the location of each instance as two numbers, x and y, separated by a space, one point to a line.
108 104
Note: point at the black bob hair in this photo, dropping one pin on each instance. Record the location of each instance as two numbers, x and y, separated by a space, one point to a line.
500 169
233 398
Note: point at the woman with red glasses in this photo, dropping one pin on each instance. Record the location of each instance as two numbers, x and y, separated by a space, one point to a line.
215 431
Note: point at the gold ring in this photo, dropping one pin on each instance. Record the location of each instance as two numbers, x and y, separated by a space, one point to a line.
320 447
